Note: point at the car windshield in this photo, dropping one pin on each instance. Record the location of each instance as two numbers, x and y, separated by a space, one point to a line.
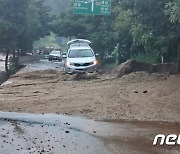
55 52
80 53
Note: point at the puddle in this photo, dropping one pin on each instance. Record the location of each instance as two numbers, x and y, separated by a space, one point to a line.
81 134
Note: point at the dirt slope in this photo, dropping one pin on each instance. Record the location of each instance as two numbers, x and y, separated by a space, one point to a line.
139 95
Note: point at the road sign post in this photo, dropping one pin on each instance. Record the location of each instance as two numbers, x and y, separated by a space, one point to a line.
92 7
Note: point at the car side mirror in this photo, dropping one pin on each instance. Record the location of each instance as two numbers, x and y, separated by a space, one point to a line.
97 55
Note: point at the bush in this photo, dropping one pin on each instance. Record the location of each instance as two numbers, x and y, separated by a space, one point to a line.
12 67
150 57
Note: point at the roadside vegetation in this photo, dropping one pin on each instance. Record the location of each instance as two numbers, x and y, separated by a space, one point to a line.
147 31
21 23
139 29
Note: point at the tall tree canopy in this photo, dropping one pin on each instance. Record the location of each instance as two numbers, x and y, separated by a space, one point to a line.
22 22
141 29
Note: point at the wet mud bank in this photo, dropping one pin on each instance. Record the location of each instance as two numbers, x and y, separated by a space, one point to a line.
3 77
23 61
134 66
52 133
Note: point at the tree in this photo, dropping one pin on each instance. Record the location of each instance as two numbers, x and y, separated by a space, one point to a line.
37 25
22 22
139 27
123 25
150 29
98 29
57 6
68 25
12 19
173 11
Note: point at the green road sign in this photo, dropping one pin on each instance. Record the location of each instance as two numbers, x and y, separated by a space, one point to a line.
93 7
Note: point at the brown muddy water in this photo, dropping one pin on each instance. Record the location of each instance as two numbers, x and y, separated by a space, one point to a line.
22 133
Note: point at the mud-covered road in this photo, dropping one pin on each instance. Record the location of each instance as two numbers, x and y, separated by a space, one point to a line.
147 103
42 87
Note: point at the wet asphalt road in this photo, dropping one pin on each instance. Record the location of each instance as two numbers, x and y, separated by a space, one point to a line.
38 137
43 65
22 133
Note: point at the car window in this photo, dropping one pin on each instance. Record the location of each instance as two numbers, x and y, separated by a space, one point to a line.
80 53
55 52
79 44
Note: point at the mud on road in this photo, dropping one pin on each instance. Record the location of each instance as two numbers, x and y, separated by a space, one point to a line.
134 108
139 95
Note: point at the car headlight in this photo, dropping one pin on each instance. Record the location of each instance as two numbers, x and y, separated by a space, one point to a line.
95 62
68 63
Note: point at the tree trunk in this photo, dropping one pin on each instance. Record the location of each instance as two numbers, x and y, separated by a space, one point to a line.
17 60
14 55
6 61
178 59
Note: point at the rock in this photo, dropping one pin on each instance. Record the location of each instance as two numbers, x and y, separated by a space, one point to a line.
135 91
66 131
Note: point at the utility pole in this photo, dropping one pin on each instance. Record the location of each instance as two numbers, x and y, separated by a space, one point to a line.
92 8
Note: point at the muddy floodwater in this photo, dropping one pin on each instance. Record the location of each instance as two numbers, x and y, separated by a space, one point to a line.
22 133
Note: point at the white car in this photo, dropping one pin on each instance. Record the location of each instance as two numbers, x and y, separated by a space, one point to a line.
80 57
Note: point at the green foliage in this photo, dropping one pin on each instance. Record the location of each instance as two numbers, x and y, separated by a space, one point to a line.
152 33
47 41
12 18
36 26
22 22
143 29
173 10
12 67
57 6
98 29
149 57
123 25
